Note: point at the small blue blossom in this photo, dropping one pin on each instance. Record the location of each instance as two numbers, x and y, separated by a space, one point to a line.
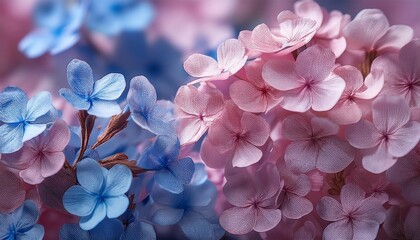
162 157
22 119
21 223
101 193
192 209
57 27
146 111
113 16
97 97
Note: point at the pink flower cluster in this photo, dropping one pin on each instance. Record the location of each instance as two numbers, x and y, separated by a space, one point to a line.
314 123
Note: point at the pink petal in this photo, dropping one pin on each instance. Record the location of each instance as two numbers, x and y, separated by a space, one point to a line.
309 9
191 130
297 32
363 135
334 155
221 136
295 207
296 127
373 84
199 65
329 209
405 169
12 192
248 97
57 138
395 38
345 113
301 156
253 71
245 154
190 100
367 27
212 157
365 229
32 175
255 129
51 163
351 196
409 58
240 189
296 100
264 41
238 220
231 56
315 63
342 229
23 158
298 184
337 46
322 127
280 74
378 159
325 94
390 113
267 219
267 182
307 232
404 139
371 209
351 75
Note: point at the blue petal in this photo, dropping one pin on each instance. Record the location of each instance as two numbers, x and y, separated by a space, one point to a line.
33 130
158 155
197 227
89 222
90 176
12 105
72 232
38 106
104 108
11 136
109 87
78 102
49 117
138 17
36 43
26 215
108 229
48 13
166 216
164 197
118 180
139 230
77 201
161 119
168 181
64 42
116 206
200 174
80 77
141 96
201 195
35 233
182 169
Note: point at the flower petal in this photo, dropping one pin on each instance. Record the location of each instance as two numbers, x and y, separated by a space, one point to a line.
301 156
329 209
362 135
295 207
245 154
395 38
239 189
404 139
280 74
267 219
325 94
38 106
334 155
248 97
80 77
13 103
77 101
342 229
378 159
110 87
79 202
116 205
11 136
238 220
390 113
13 192
98 214
104 108
365 229
118 181
89 175
315 63
231 56
199 65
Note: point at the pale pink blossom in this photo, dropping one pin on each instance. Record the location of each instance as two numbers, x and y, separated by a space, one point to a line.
42 156
314 144
354 217
230 59
307 83
254 94
236 136
196 109
254 200
402 72
390 136
348 109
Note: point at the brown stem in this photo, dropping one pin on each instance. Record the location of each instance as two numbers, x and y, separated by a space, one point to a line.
86 123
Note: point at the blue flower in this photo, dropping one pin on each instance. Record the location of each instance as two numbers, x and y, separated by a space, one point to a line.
22 120
107 229
162 157
113 16
21 223
97 97
58 23
146 111
101 193
192 209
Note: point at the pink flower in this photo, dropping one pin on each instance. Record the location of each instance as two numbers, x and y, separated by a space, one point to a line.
293 203
230 59
235 136
391 135
254 199
306 83
348 109
196 110
253 94
315 145
370 31
12 191
402 73
42 156
356 217
406 174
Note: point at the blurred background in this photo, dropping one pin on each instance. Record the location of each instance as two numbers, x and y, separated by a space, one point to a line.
135 37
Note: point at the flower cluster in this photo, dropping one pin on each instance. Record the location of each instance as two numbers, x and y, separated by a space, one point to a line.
308 129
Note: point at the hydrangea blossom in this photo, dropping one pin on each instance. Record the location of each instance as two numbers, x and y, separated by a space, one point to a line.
58 24
107 229
13 191
354 217
21 223
390 136
101 193
308 82
22 119
97 97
